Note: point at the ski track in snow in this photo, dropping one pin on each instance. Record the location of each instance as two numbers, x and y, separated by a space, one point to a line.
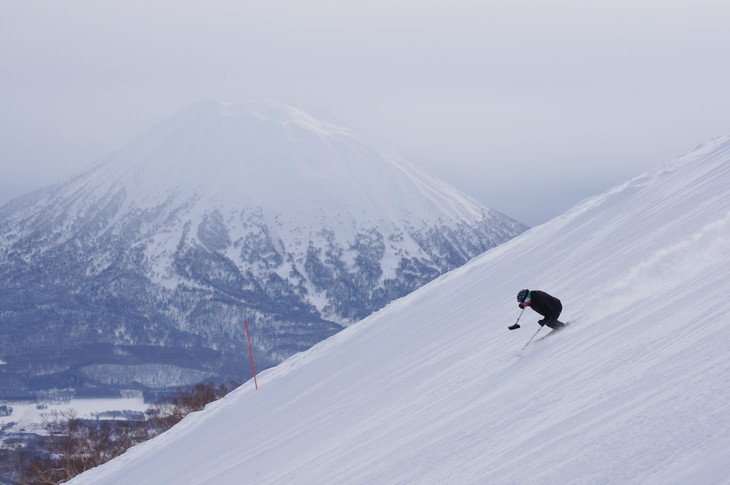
433 388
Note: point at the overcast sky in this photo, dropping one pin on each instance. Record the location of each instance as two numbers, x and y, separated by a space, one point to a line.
527 105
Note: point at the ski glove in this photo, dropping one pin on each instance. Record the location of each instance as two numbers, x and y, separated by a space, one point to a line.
542 322
522 306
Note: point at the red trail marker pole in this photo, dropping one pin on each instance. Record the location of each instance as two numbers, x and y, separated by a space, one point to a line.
250 350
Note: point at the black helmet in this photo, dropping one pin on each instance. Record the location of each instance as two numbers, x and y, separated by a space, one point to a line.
522 295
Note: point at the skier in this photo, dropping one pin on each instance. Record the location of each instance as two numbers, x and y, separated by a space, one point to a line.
546 305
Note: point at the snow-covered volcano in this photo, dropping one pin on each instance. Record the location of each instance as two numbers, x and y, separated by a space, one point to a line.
140 271
434 389
295 167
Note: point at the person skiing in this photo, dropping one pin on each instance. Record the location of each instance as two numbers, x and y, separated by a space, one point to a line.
546 305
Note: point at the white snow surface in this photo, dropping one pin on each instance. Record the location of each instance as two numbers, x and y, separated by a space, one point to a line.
434 389
266 154
28 417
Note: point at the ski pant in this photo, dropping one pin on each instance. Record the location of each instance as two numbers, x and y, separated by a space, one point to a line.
552 319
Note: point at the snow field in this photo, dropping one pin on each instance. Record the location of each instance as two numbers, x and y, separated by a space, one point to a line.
28 417
434 389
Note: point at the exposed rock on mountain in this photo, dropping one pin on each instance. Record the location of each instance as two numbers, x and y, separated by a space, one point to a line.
140 271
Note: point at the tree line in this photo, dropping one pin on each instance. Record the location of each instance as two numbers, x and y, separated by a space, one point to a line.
72 445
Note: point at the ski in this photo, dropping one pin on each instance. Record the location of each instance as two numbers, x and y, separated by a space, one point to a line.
552 332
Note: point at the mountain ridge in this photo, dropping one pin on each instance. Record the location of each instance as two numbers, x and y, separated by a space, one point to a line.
220 214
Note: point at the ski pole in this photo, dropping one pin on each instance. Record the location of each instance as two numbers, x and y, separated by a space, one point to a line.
515 326
533 336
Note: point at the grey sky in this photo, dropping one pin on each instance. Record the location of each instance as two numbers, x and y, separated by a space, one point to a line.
527 105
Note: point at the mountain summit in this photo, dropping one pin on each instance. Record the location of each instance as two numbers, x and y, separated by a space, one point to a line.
274 156
140 271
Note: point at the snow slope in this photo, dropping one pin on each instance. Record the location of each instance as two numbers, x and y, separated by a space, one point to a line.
275 156
434 388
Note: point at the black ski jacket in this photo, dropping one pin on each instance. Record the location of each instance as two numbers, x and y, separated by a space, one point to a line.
546 305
